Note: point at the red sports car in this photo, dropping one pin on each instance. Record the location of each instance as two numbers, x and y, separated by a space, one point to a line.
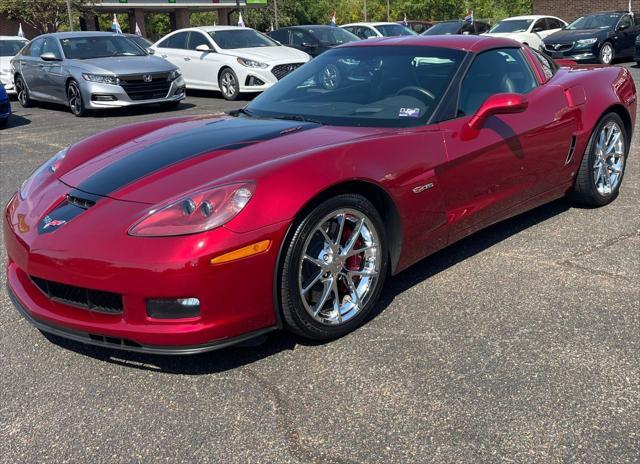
188 234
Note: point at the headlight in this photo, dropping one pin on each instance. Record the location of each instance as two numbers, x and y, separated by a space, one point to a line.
101 78
197 212
585 42
40 174
174 75
251 63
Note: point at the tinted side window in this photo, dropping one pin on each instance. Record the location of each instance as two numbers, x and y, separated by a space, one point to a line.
35 49
626 21
554 23
367 32
540 25
178 40
548 67
51 46
196 38
495 71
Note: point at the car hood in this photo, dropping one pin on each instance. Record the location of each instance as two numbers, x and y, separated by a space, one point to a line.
124 65
267 54
567 36
152 162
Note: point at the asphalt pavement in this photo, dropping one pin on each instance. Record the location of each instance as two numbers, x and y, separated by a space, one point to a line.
518 344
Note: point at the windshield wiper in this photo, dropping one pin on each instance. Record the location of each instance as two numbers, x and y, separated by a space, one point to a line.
297 117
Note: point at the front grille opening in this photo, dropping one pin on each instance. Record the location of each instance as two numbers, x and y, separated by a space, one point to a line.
114 341
93 300
138 88
282 70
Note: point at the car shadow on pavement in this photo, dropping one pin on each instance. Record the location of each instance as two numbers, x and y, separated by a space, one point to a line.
16 121
121 112
276 342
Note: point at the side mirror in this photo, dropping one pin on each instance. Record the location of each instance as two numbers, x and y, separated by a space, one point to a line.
309 44
501 103
205 49
623 27
49 56
151 51
535 30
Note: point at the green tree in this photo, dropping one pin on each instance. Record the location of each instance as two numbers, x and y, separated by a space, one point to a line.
43 15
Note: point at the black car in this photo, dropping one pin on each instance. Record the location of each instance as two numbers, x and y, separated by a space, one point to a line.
313 39
457 27
417 26
597 37
636 55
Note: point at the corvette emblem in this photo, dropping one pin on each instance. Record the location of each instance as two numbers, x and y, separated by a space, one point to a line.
147 77
49 222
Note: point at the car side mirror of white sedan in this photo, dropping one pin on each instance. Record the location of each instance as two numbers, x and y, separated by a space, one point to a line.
205 49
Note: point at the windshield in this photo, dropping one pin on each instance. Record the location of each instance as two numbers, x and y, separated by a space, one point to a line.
241 38
333 35
392 30
140 41
514 25
11 47
451 27
363 86
595 21
85 48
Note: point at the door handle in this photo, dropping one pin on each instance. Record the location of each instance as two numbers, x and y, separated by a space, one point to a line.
186 58
163 56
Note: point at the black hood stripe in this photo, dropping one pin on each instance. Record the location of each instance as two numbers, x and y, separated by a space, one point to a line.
226 134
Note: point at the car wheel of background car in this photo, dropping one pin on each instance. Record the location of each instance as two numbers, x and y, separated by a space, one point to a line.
334 268
602 168
74 97
229 85
606 53
3 122
23 93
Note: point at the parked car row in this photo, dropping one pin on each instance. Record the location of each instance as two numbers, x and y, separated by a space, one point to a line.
95 70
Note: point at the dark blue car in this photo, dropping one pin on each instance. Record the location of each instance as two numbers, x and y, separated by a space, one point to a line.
5 106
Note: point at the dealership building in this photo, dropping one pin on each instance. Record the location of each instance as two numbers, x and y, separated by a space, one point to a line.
572 9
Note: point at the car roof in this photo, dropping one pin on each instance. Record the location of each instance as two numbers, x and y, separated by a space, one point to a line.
217 28
69 35
12 37
534 17
374 24
468 43
309 26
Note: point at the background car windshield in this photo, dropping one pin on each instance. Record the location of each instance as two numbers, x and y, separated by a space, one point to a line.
333 35
11 47
241 38
140 42
596 21
364 86
444 28
515 25
84 48
393 30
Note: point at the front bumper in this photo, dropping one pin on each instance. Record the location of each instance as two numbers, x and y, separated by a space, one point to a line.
5 109
236 297
265 75
7 81
97 96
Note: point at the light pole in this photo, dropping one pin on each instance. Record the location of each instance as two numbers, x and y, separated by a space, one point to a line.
365 11
388 11
275 12
70 16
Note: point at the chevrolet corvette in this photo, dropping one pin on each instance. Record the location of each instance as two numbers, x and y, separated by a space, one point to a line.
188 234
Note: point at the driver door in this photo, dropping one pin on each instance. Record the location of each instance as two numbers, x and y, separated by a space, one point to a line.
491 173
202 67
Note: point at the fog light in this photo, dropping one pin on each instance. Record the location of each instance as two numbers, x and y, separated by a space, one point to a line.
177 308
98 97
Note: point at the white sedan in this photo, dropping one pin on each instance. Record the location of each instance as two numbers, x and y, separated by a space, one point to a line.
228 58
529 30
9 47
380 29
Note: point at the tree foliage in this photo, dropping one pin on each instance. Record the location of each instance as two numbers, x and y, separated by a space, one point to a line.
43 15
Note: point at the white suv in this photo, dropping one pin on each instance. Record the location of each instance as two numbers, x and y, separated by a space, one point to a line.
228 58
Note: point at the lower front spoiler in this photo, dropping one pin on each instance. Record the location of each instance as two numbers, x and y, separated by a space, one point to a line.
128 345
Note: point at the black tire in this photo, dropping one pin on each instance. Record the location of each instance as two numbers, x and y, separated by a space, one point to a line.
607 53
229 85
3 122
22 91
74 99
296 317
585 190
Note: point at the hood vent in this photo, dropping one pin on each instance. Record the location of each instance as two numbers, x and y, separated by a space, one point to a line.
83 203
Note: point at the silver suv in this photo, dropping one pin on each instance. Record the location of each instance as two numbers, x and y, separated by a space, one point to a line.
93 70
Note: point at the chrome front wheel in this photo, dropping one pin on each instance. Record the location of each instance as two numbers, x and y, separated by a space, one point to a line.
23 93
75 99
229 85
334 267
339 267
606 53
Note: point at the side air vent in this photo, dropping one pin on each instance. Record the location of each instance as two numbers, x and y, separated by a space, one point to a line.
572 148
